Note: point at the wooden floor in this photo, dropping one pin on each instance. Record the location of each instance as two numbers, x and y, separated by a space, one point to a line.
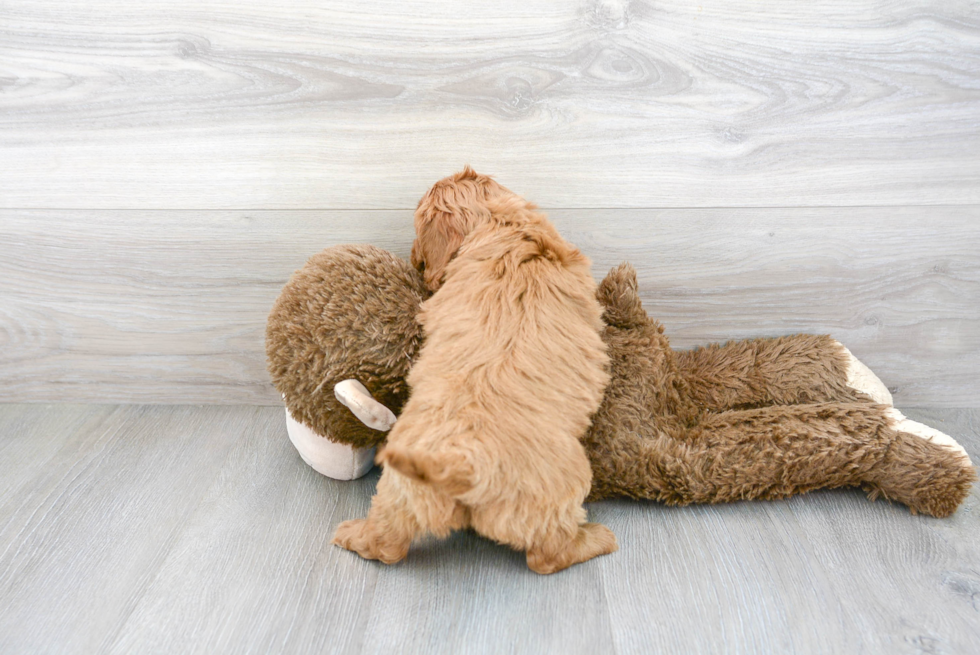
182 529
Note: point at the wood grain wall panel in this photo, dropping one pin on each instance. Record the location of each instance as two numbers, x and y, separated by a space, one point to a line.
601 103
170 306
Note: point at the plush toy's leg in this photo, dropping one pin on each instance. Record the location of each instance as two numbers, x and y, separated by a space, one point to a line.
773 452
789 370
777 452
400 510
923 468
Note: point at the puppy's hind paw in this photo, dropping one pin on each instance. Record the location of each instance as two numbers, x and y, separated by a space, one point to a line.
591 540
601 539
363 538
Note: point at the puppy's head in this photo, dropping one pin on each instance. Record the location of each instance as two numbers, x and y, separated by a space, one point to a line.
450 210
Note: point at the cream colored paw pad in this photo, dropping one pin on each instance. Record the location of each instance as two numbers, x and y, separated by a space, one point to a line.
903 424
861 378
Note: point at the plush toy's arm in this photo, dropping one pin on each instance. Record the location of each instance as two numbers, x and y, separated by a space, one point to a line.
342 461
359 400
789 370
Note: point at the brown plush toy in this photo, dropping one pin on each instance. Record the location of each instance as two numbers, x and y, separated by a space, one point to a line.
763 419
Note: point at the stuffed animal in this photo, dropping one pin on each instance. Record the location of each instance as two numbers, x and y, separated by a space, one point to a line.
339 342
760 419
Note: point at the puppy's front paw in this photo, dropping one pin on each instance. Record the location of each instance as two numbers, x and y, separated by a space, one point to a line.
362 537
348 532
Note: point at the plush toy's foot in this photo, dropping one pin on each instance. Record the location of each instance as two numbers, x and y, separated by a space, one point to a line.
334 460
861 378
903 424
924 469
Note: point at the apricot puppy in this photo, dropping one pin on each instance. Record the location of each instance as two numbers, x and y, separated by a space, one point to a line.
512 369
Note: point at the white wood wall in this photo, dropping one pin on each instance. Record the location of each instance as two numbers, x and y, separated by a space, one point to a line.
769 167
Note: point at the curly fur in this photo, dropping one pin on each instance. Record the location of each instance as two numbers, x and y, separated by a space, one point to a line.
450 210
512 369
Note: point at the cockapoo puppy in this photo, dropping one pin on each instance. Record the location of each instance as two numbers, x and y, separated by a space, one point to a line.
512 369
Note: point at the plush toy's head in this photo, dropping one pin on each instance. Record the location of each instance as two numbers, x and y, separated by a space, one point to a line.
349 313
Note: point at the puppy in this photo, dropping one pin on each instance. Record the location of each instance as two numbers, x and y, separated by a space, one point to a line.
512 369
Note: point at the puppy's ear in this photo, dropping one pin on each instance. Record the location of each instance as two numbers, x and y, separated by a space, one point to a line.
417 260
440 234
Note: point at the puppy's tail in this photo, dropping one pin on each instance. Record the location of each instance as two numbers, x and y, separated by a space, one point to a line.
450 472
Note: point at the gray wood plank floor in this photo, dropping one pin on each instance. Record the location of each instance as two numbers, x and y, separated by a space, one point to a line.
170 306
599 103
180 529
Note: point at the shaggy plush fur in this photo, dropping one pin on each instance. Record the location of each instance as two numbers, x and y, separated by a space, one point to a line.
765 418
349 313
512 369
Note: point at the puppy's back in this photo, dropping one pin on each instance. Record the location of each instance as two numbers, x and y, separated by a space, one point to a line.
514 365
